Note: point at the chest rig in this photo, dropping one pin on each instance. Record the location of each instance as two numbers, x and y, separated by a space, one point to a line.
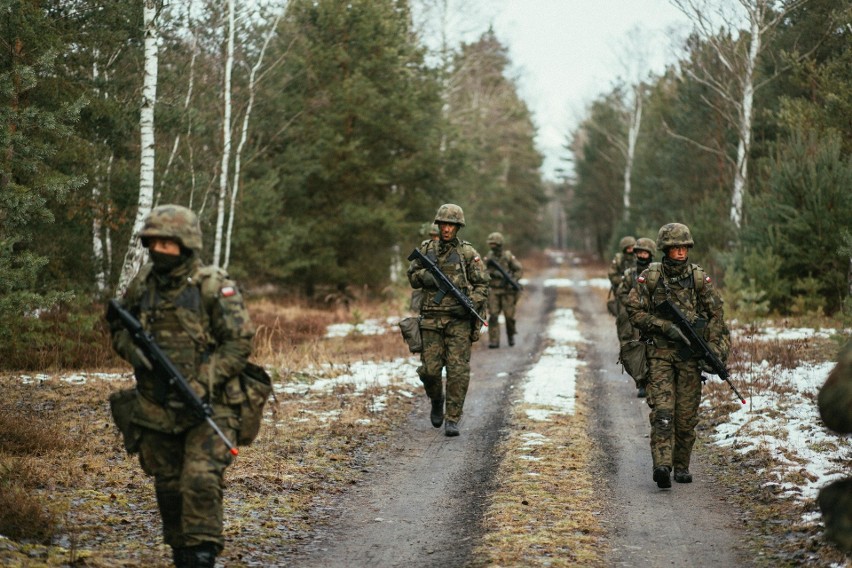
178 320
682 289
452 264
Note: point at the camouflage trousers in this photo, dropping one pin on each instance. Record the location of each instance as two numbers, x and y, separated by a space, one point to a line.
501 301
446 343
188 470
674 393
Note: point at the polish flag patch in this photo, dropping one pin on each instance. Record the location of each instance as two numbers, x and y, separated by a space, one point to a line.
707 279
641 280
228 291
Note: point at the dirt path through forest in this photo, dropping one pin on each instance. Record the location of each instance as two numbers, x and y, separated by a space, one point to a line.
421 501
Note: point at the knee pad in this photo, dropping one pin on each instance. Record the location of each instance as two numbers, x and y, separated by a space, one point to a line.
663 420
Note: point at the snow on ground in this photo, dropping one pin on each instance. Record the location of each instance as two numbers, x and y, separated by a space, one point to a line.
360 374
780 333
366 327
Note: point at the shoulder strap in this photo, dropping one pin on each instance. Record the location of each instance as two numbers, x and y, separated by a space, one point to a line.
698 276
654 271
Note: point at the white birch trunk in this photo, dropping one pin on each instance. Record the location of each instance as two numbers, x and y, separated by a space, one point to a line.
97 242
235 185
756 16
226 138
632 138
135 252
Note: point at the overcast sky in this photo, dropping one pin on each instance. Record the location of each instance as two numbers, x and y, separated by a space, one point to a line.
566 52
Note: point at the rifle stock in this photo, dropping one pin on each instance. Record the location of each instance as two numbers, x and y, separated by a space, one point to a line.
445 285
506 276
164 367
699 345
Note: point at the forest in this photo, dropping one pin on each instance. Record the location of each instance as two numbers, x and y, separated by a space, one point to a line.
315 138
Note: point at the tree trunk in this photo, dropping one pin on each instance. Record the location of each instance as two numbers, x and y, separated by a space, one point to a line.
135 252
632 138
226 139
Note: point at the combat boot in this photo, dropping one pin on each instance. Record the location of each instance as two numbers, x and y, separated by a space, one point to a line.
437 414
511 340
201 556
641 392
179 557
682 476
661 476
451 428
493 345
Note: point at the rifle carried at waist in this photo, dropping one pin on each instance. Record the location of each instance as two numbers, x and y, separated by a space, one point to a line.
445 285
162 366
669 310
507 278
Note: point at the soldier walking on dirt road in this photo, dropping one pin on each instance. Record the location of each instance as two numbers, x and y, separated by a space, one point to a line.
502 296
631 345
674 382
447 328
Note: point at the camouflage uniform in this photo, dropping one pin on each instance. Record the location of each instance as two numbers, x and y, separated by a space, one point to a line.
448 330
632 349
417 295
622 260
198 317
835 408
674 387
502 297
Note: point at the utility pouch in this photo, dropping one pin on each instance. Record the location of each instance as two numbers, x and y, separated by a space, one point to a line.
257 386
124 404
410 328
634 360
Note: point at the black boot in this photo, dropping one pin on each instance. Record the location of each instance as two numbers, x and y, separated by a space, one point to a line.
202 555
180 557
437 414
641 393
682 476
451 428
511 340
661 476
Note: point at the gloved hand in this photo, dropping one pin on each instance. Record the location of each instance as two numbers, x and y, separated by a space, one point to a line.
705 366
717 351
674 333
428 280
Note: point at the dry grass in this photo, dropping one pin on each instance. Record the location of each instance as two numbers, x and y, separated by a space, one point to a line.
545 511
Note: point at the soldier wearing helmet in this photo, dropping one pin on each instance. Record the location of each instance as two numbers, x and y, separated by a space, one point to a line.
835 409
674 369
502 296
622 260
197 316
447 329
632 348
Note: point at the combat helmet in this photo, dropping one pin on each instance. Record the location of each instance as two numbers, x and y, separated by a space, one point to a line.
495 239
646 244
674 235
173 222
450 213
626 242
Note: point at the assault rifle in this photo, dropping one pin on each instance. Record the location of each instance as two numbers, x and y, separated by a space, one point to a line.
669 310
445 285
507 278
163 367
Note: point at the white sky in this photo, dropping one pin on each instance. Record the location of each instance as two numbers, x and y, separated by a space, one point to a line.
566 52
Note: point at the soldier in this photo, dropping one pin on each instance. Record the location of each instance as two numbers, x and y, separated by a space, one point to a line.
197 316
674 375
620 262
502 296
447 328
417 295
835 408
632 348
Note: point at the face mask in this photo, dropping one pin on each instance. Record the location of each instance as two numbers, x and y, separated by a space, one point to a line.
165 263
642 262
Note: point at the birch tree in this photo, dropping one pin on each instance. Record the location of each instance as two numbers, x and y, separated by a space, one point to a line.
739 58
135 253
226 139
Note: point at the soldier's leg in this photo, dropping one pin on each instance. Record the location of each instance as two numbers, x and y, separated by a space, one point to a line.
457 336
161 455
687 401
432 359
661 394
206 457
509 301
493 318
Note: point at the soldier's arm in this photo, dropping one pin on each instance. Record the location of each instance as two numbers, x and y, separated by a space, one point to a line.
416 271
638 306
718 335
121 341
479 278
835 396
516 267
232 328
614 273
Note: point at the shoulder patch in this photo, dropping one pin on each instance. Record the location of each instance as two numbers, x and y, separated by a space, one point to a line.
227 291
641 280
707 279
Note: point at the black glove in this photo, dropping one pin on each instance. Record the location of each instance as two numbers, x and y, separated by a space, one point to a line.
428 280
705 366
674 333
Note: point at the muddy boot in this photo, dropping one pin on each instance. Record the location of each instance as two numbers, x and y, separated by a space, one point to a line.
661 476
437 414
451 428
682 476
493 345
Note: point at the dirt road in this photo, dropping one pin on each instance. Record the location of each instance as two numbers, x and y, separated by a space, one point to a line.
421 503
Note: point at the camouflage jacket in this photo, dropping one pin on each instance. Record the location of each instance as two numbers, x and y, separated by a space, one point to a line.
699 301
198 317
835 396
509 263
620 263
460 262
